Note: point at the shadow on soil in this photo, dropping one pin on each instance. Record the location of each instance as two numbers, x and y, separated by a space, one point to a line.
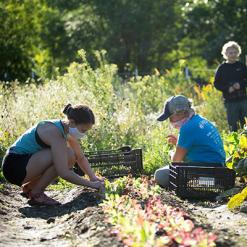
82 201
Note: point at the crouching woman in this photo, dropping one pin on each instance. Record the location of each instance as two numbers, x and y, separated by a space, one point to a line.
48 150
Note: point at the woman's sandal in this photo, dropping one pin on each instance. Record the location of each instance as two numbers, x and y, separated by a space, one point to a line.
42 199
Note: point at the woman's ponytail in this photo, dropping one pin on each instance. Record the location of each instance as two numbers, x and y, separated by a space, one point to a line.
67 109
79 113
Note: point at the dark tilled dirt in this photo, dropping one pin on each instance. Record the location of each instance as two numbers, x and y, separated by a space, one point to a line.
230 227
79 221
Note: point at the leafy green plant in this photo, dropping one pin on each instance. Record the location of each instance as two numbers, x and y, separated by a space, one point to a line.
2 178
237 199
236 147
61 184
117 186
142 219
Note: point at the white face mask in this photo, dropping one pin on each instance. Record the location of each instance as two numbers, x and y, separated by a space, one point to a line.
76 133
179 124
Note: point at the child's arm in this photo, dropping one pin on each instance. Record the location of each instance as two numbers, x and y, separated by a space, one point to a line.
179 154
172 139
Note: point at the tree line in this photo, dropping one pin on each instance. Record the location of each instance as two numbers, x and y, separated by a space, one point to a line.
39 36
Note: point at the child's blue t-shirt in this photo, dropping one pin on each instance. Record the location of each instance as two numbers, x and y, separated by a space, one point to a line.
202 141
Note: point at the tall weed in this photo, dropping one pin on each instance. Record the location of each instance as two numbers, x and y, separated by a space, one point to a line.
125 112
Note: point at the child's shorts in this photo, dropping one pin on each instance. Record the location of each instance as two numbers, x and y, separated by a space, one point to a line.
14 167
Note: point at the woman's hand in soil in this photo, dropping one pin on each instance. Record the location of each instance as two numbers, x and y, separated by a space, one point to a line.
172 139
95 178
101 192
96 184
102 189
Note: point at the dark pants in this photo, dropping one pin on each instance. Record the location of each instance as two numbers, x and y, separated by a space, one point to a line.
236 112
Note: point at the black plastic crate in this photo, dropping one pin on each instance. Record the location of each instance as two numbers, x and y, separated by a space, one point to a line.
115 163
197 181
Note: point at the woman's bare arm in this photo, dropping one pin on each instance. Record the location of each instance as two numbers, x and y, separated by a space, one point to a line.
51 135
81 159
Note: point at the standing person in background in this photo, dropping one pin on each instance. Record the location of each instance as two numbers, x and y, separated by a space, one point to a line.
231 80
48 150
198 141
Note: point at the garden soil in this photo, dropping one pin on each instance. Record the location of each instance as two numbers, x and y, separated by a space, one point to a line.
80 221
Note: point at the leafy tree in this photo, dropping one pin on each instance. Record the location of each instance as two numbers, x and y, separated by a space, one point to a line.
212 23
18 32
139 32
41 36
84 30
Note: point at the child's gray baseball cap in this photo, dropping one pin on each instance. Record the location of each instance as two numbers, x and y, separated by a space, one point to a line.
173 105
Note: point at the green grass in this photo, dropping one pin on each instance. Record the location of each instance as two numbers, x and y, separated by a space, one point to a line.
2 178
1 187
61 185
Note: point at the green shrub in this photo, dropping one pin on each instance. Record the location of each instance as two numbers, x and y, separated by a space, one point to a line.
125 113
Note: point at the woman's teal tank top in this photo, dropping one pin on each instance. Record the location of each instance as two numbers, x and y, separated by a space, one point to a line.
27 143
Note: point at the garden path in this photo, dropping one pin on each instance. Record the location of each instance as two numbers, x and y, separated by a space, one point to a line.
79 221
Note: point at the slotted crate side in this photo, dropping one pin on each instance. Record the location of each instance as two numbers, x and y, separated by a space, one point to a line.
172 178
115 163
113 158
109 164
200 182
132 158
216 177
114 172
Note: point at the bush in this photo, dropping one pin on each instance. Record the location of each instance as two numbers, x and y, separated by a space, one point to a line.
125 113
